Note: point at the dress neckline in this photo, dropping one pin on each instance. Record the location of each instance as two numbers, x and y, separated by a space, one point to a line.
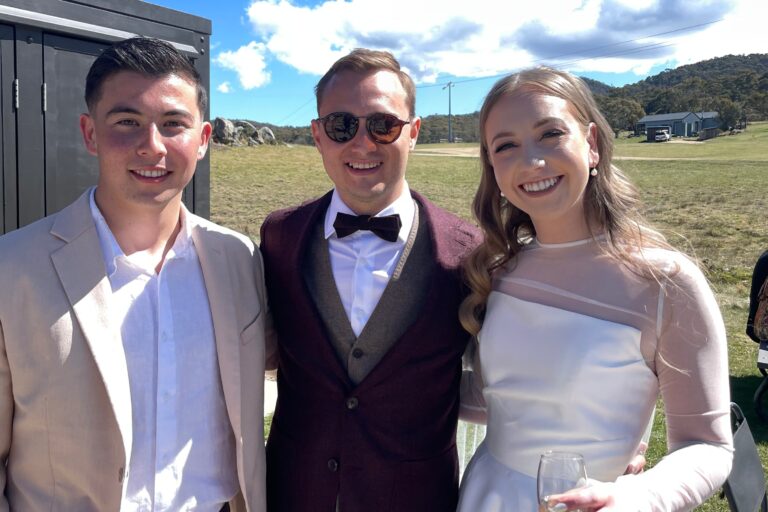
564 245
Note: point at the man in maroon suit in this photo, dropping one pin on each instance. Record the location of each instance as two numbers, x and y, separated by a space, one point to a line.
364 287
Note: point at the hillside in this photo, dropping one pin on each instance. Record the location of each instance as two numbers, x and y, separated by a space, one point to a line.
713 69
736 86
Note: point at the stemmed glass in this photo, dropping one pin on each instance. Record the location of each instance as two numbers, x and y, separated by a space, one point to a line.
559 472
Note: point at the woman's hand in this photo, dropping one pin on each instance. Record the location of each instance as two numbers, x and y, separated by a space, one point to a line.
601 496
598 496
637 463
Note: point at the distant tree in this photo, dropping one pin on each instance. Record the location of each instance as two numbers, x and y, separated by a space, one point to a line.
730 112
598 88
756 106
693 90
434 128
665 100
622 113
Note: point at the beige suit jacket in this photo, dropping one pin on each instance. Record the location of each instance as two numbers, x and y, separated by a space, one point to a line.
65 405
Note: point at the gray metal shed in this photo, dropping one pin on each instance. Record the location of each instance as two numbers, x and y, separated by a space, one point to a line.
682 124
46 49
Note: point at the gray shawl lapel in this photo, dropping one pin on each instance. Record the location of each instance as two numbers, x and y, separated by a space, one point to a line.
399 306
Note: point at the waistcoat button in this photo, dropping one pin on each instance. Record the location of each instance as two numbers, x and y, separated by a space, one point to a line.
333 465
352 403
357 353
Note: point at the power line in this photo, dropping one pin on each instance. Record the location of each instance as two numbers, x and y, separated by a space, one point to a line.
640 49
294 112
682 29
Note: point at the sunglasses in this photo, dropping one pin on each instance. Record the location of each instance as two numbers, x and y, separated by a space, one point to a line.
383 128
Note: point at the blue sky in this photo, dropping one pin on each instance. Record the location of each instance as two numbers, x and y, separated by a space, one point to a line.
267 55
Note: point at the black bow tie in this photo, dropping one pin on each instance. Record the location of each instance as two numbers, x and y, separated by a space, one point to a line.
386 227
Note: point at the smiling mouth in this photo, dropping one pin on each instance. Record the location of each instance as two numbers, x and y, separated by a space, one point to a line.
541 185
363 166
150 173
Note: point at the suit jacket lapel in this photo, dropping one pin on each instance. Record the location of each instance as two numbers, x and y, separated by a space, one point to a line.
80 267
301 258
218 284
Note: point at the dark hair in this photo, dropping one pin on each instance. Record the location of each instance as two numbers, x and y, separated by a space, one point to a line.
146 56
362 60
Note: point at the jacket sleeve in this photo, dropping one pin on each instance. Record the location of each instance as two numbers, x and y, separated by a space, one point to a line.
271 352
6 419
759 276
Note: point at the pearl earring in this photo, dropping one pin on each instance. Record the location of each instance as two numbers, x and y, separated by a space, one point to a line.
593 172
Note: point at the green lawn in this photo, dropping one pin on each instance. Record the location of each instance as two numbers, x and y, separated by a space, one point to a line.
712 205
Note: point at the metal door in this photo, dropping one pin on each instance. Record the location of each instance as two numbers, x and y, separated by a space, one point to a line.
8 213
69 168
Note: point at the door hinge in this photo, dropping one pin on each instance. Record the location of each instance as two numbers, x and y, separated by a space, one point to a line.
16 94
45 96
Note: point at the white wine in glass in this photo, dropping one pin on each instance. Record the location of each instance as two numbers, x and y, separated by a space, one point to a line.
559 472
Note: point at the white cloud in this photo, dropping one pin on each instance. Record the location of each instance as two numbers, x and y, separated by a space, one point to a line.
742 31
249 62
487 37
224 87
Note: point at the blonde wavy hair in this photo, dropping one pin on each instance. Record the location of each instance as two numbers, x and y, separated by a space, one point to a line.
611 201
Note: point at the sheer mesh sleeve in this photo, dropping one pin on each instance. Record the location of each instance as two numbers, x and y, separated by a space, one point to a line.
692 368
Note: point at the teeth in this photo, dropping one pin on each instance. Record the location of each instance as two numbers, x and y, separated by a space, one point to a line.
363 165
540 185
149 173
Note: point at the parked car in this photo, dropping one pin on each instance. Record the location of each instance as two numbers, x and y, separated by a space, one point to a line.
662 136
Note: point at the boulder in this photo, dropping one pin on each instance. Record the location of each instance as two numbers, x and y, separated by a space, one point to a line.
247 128
223 131
241 133
266 135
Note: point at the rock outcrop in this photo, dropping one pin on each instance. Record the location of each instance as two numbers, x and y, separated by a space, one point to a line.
241 133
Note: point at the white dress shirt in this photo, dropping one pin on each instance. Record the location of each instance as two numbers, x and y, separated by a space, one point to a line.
183 455
363 263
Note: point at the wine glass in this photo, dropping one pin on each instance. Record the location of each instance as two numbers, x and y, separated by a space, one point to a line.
559 472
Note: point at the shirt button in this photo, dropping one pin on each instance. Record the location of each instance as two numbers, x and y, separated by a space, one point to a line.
333 465
357 353
352 403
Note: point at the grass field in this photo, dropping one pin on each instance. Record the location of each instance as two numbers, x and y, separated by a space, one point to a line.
710 199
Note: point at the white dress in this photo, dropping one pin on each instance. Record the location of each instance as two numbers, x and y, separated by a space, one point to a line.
574 350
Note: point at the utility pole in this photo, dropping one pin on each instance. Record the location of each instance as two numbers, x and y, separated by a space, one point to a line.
450 128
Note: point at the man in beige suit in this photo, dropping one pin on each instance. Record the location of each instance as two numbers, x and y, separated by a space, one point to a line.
131 331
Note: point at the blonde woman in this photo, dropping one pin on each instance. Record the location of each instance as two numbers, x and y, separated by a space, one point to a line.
583 316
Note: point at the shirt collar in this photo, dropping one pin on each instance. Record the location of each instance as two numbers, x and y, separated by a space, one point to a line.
403 206
111 250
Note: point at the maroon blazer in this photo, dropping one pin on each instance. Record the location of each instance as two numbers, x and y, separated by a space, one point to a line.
389 443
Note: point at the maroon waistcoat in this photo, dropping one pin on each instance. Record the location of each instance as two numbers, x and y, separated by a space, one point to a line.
387 444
